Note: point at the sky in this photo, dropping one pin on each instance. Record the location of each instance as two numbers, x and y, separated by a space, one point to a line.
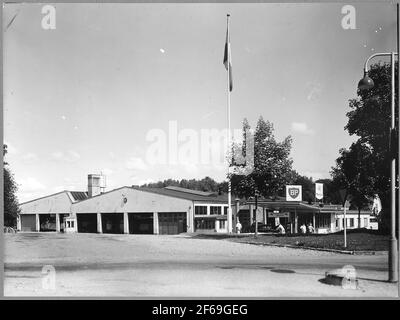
112 83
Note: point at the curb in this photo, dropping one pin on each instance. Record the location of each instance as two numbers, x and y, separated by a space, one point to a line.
316 249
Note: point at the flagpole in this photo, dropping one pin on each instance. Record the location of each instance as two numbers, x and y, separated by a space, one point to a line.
229 217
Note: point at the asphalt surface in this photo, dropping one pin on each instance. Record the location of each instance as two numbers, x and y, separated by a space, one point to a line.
179 266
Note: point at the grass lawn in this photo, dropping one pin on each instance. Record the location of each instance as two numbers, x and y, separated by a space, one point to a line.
357 240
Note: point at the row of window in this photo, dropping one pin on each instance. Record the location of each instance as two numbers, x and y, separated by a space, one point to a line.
209 224
322 220
204 224
350 222
214 210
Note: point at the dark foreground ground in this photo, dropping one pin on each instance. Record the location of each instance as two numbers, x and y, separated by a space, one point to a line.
357 240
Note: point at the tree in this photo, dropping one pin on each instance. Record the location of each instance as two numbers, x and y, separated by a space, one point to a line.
272 167
11 206
370 120
206 184
331 191
354 171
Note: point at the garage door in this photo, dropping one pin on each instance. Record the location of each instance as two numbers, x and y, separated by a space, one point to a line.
172 222
28 222
141 223
87 222
47 222
112 222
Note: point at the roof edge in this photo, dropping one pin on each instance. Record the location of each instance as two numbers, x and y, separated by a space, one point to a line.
50 195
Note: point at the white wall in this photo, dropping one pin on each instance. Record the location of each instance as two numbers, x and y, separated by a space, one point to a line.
349 216
137 201
57 203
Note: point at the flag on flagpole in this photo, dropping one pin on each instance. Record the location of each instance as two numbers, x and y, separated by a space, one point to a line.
228 58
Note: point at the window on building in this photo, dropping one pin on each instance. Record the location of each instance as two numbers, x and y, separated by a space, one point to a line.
68 224
365 222
215 210
205 224
351 222
337 223
200 210
322 220
72 224
226 210
222 224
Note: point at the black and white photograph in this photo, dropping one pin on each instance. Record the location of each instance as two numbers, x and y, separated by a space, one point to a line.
201 150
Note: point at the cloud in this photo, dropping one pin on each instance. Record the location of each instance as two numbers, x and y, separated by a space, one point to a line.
106 171
136 164
30 184
301 127
138 181
30 157
314 91
69 156
112 155
208 115
62 188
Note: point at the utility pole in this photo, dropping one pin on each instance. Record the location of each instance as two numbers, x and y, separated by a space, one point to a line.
345 224
255 215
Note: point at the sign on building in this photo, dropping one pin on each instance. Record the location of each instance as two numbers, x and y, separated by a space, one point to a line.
293 193
277 214
319 191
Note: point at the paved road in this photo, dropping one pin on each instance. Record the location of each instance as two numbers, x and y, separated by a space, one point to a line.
178 266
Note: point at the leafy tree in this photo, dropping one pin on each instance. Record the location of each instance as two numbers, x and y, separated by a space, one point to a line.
11 206
206 184
331 191
354 171
370 120
272 167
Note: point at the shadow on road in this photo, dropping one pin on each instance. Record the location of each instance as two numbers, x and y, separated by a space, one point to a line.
282 271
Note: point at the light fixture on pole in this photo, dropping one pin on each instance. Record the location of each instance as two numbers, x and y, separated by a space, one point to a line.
367 83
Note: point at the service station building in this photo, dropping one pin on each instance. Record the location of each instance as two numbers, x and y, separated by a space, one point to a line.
171 210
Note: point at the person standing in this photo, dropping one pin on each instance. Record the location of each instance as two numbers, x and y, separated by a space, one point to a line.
280 229
238 227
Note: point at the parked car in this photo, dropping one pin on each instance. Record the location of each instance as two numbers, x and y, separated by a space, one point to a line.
373 223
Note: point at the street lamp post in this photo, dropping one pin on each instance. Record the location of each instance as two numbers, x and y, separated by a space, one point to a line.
255 215
367 83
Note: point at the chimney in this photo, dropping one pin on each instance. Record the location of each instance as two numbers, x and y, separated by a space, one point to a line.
96 184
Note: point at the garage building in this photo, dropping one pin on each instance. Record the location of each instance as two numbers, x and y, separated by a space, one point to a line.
126 210
48 213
